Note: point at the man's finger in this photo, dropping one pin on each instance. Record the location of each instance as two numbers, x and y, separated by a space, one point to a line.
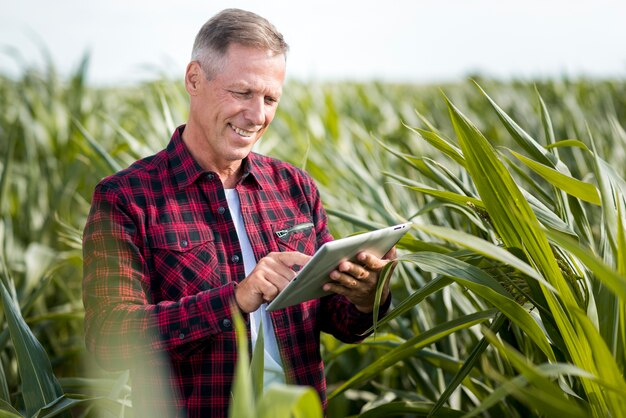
292 258
355 270
370 261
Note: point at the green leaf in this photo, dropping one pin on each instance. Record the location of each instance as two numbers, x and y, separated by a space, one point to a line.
575 143
411 346
113 165
243 391
545 216
612 188
485 248
355 220
120 386
290 401
447 196
546 120
62 404
384 277
39 384
7 165
413 300
519 228
4 387
522 138
441 144
580 189
467 367
402 408
7 411
68 402
257 367
547 397
488 288
113 388
409 243
609 277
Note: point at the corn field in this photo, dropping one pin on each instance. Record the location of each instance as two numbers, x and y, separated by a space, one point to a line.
509 292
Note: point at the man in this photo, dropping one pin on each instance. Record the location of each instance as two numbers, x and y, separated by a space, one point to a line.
177 240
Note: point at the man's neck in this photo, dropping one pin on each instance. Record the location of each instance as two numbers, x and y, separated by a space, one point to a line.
229 173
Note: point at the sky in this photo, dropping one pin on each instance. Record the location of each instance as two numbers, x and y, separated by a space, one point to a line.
356 40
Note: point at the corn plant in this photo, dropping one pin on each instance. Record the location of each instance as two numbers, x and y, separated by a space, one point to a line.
251 400
542 248
509 293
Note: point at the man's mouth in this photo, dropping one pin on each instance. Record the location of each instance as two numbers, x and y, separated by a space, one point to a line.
242 132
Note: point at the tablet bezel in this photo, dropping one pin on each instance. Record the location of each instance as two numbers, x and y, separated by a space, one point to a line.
308 283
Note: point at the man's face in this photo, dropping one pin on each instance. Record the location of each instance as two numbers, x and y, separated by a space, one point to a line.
234 108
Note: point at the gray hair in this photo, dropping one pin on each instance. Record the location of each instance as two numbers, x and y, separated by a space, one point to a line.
234 26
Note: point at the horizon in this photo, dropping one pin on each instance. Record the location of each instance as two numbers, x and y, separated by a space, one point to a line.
421 42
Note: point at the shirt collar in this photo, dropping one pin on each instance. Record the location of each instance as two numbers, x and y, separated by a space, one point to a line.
186 170
252 171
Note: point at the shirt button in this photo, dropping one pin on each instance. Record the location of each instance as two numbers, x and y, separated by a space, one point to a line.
235 258
184 243
226 323
221 210
210 176
181 335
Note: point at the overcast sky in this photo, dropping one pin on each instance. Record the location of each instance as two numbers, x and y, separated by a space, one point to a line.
399 40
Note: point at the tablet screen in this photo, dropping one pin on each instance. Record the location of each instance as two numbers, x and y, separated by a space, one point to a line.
307 284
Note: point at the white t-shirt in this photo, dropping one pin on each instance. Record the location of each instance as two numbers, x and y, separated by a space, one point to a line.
273 364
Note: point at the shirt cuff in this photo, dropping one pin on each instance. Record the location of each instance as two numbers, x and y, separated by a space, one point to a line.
382 311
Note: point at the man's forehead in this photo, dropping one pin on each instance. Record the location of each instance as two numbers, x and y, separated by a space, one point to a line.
266 87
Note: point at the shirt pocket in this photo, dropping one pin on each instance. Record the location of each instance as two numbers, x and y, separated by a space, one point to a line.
184 261
296 235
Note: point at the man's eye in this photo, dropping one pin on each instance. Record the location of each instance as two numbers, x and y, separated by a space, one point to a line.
241 94
270 100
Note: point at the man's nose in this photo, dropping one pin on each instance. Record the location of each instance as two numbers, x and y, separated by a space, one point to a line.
255 111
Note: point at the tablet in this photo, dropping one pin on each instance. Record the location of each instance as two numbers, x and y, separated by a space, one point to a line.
308 282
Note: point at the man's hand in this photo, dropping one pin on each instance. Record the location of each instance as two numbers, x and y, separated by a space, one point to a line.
270 276
357 280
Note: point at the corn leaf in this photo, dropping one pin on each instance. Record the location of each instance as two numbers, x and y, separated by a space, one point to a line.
7 164
412 408
544 395
441 144
519 228
484 248
580 189
113 165
411 346
468 365
290 401
487 287
5 396
522 138
257 366
413 300
568 143
243 391
39 384
7 411
613 280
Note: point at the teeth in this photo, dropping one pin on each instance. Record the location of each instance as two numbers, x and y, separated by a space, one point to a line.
242 132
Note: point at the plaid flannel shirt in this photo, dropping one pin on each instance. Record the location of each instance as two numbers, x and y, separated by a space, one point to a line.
161 261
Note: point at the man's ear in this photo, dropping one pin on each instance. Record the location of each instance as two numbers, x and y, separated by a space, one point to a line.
193 77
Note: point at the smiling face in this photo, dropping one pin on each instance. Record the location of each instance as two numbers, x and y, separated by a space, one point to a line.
230 111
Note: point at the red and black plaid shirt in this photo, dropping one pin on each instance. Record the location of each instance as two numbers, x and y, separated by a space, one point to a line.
161 259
